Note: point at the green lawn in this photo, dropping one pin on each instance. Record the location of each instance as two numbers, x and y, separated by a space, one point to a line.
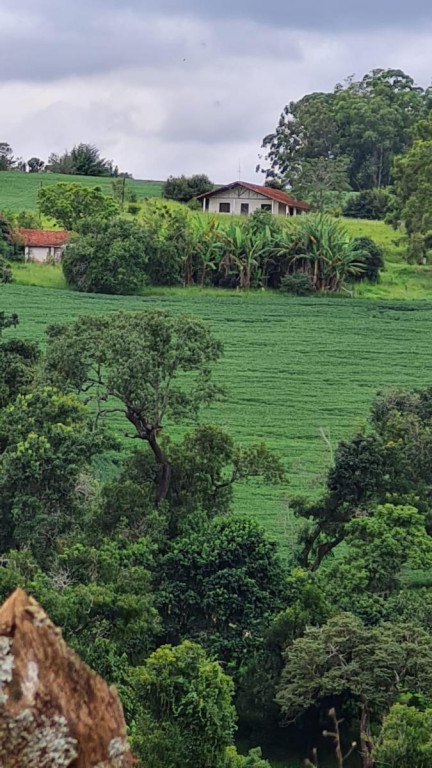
293 367
18 191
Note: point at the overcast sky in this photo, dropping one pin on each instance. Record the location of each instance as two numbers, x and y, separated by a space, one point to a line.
187 86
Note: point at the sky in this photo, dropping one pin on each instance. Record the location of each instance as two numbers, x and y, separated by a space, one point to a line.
187 86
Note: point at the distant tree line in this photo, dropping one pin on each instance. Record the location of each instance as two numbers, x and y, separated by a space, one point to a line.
82 160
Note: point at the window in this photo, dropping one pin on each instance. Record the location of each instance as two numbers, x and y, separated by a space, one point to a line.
224 207
244 209
266 207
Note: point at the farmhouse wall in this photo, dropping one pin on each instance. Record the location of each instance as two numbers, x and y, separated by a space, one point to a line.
43 253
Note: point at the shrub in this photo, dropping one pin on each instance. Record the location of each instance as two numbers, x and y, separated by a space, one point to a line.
373 258
133 208
107 257
185 188
5 271
298 284
368 204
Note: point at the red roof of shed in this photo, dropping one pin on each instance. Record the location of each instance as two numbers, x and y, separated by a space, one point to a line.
272 194
43 238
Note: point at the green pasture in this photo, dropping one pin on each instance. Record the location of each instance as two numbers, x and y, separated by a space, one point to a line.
301 372
18 190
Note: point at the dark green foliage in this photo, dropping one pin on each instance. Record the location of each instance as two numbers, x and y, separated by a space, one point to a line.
372 257
368 204
299 284
413 183
361 668
5 271
35 165
185 188
7 160
45 444
219 587
71 204
81 160
368 121
107 256
18 360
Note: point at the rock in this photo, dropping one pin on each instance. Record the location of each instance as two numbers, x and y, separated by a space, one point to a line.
54 711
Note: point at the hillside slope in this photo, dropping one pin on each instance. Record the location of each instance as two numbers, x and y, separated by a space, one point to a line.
18 191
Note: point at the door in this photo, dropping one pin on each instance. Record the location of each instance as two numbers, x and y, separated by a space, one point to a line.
244 209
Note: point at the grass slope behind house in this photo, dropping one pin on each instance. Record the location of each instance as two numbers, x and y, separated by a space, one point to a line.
18 190
293 367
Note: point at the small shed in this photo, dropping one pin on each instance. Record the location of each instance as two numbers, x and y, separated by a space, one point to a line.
242 198
44 245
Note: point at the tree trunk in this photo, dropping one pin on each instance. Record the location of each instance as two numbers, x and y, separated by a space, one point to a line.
164 469
54 711
146 432
366 738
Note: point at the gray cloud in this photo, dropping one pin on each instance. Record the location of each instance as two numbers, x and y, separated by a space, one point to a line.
187 86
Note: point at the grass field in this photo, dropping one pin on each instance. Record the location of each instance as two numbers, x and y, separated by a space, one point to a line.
293 367
18 191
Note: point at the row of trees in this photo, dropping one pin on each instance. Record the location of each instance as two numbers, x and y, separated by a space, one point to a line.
189 610
82 160
347 138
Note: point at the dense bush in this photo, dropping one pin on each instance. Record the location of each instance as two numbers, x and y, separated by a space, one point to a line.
299 284
368 204
107 257
185 188
372 257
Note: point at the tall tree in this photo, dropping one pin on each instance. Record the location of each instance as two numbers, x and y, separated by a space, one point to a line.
154 365
6 156
368 121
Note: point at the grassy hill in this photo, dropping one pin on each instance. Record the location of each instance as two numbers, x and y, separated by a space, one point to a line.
18 191
293 367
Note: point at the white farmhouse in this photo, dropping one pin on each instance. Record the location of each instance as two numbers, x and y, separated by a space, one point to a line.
242 198
43 245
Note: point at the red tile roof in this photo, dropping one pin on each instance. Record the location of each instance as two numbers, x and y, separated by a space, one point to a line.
43 238
272 194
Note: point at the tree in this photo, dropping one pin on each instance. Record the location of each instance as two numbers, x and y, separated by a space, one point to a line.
369 204
188 716
405 739
205 467
6 156
70 204
82 160
18 364
413 183
35 164
185 188
355 665
322 181
220 586
154 365
368 121
107 256
45 444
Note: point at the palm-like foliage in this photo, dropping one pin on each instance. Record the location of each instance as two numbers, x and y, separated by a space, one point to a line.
244 249
326 252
